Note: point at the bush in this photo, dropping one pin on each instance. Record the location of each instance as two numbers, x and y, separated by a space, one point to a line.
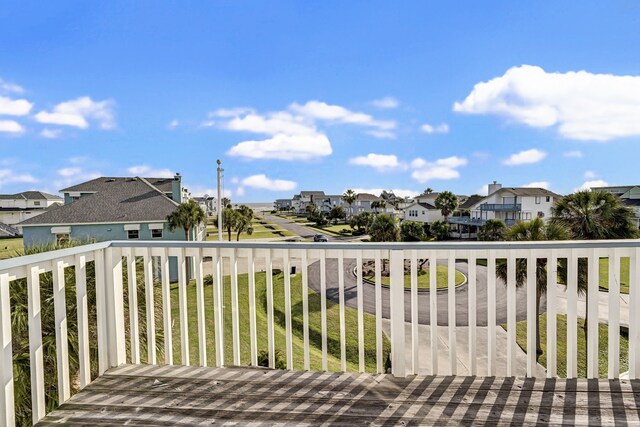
280 362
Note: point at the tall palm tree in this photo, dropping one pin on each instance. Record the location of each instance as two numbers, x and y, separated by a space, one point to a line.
187 215
535 230
384 229
593 215
378 204
492 230
242 224
447 202
428 190
350 197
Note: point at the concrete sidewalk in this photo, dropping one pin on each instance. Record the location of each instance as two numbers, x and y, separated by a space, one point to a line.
462 351
603 306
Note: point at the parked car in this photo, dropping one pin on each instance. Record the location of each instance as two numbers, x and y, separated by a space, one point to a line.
320 238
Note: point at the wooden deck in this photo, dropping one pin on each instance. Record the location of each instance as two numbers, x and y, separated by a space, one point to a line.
171 395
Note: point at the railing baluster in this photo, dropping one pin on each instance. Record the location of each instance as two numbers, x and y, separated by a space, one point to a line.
433 310
83 320
115 291
634 306
592 318
305 308
218 283
270 326
415 344
572 315
511 315
343 344
101 312
134 332
491 313
235 317
472 307
360 303
202 330
614 314
323 307
378 274
166 309
531 313
451 299
182 303
7 408
552 319
253 335
287 309
150 309
396 307
38 403
62 342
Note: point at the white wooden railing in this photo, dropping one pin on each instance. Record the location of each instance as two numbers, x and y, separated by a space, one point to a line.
115 348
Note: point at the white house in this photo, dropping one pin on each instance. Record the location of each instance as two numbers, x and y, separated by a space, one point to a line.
365 203
629 195
422 212
15 208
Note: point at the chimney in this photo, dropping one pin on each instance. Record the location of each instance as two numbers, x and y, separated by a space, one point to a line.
494 187
176 188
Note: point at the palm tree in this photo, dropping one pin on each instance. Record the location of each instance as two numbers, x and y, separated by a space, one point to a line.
350 197
246 211
242 224
378 204
492 230
384 229
187 215
447 202
593 215
428 190
535 230
230 219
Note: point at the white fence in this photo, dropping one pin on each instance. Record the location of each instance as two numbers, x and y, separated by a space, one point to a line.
116 348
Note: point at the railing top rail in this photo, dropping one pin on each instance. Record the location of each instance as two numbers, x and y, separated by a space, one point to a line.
24 260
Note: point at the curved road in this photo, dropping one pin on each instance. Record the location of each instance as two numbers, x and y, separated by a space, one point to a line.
462 296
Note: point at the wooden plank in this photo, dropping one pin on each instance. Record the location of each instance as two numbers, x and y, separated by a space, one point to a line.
218 283
182 306
101 312
552 286
572 315
235 316
287 309
415 344
396 304
166 308
532 286
202 329
270 325
149 307
7 408
83 320
341 313
360 303
305 308
634 317
38 404
491 314
253 335
378 292
512 345
614 314
433 307
62 342
115 306
451 311
592 319
132 282
323 307
472 308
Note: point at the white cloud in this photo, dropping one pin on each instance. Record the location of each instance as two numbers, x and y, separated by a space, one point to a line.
582 105
589 174
382 134
284 147
14 107
376 191
380 162
441 128
173 124
51 133
317 110
148 171
73 175
261 181
66 172
588 185
10 126
79 112
442 169
240 191
577 154
538 184
8 87
525 157
483 191
9 176
386 103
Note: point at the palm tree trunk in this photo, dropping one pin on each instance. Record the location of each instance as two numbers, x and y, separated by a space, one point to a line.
238 236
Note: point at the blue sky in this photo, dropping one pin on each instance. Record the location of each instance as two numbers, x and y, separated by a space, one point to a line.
333 95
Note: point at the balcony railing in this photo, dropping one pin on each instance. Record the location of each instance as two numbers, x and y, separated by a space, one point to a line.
501 207
324 268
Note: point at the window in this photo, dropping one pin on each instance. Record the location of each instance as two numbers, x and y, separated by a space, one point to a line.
537 200
156 234
36 203
133 234
62 239
548 199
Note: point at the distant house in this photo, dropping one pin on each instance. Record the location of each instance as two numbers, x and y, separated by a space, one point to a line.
111 208
365 203
629 195
282 204
207 203
15 208
422 212
304 199
329 201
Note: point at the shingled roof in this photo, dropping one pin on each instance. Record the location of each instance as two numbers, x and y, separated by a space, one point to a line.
30 195
116 201
529 191
102 183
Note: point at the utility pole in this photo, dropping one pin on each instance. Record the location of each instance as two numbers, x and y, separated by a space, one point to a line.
220 170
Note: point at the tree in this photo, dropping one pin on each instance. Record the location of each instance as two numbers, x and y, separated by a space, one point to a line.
242 224
318 218
412 231
593 215
384 228
230 218
246 211
440 230
447 202
187 215
361 222
535 230
226 202
492 230
310 208
428 190
350 197
336 213
378 204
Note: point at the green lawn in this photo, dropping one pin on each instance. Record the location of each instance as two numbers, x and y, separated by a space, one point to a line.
521 334
332 230
624 274
262 229
333 328
442 273
10 247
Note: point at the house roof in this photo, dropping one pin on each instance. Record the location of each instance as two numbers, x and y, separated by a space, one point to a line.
367 196
104 182
528 191
630 202
311 193
427 206
472 200
117 201
30 195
